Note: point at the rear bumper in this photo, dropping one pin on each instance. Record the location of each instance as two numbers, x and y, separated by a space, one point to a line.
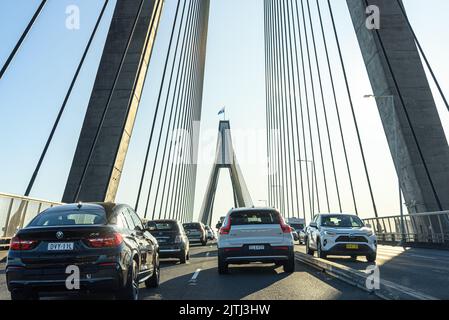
107 278
245 256
171 251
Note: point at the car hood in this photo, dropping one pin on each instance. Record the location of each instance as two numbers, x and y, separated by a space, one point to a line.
363 230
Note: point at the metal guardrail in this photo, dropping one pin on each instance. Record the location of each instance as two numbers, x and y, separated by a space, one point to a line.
17 211
415 229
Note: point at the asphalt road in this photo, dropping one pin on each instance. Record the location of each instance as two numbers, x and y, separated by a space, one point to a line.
421 270
199 280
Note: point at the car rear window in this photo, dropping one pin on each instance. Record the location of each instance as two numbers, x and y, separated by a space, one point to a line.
163 225
254 217
192 226
297 226
70 218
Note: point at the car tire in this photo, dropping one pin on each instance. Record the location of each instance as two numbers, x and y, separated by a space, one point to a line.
371 257
308 250
204 243
153 281
183 257
223 267
188 255
289 266
131 289
22 295
320 252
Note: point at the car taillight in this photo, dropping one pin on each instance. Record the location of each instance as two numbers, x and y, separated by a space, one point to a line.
18 244
109 241
285 227
227 228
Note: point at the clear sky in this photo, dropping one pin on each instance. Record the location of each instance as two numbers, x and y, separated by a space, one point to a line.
33 88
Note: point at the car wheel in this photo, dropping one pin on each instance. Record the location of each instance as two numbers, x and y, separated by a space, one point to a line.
223 267
183 257
188 256
22 295
131 290
371 257
308 250
320 252
153 281
204 243
289 266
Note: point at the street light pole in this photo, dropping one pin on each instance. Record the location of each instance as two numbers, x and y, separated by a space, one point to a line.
396 151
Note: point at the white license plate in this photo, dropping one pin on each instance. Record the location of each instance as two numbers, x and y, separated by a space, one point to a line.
60 246
256 248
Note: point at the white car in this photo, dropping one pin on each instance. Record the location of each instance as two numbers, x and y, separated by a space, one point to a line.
255 235
340 235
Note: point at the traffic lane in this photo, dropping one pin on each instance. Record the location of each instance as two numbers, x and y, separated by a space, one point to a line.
422 270
199 280
4 293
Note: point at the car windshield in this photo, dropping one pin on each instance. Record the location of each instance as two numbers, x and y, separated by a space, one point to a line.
69 218
163 225
192 226
341 221
254 217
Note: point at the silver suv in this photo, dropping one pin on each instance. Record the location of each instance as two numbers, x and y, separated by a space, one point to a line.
255 235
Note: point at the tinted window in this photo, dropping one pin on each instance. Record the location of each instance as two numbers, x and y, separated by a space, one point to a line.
163 225
341 221
129 220
297 226
135 218
254 217
70 218
192 226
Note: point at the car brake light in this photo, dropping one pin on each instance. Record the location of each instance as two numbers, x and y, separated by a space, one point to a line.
285 227
109 241
18 244
280 248
226 229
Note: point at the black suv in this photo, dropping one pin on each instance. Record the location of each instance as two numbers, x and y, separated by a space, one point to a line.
173 242
105 243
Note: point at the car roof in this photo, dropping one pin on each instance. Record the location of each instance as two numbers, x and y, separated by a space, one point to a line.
337 214
108 207
253 209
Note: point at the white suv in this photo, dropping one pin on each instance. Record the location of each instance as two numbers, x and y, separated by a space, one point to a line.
255 235
340 235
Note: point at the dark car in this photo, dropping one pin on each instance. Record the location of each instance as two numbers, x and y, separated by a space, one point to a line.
196 232
173 242
105 243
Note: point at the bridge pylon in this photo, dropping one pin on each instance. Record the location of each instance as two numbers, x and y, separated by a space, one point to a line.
225 158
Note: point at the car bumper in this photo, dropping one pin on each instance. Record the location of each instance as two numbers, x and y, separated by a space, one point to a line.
97 279
171 251
245 256
341 249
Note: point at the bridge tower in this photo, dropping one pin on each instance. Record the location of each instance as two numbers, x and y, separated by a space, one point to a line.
397 74
225 158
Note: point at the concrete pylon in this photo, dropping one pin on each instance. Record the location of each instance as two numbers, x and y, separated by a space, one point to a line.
406 65
225 158
129 65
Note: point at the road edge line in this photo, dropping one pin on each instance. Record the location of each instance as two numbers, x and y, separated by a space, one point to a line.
387 291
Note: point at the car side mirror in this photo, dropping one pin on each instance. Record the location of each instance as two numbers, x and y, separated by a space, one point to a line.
219 225
295 236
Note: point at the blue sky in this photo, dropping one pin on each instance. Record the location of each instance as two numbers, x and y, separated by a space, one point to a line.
34 86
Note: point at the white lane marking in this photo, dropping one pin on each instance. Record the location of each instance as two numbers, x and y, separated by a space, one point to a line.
195 275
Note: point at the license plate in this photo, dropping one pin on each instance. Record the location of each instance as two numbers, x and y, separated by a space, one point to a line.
256 248
60 246
352 246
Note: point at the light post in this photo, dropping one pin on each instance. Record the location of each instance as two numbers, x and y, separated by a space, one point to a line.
312 205
396 151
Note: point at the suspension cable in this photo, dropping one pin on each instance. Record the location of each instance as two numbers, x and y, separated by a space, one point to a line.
22 38
352 110
64 104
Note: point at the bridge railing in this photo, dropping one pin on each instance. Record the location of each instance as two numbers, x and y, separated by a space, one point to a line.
17 211
418 229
